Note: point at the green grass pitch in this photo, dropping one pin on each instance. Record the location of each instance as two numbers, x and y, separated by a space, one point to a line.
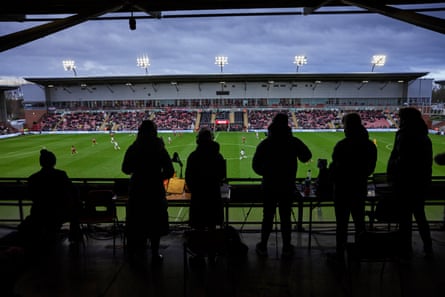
19 158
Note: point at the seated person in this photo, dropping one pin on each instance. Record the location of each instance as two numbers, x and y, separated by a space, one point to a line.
54 203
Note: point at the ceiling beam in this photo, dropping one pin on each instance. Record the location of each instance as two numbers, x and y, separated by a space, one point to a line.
315 5
143 6
19 38
421 20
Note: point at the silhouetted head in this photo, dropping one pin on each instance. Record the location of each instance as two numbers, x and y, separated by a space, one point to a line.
204 136
279 126
411 119
148 128
352 124
409 115
47 159
281 120
351 120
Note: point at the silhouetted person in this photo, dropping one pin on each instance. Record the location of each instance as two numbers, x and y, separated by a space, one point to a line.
276 160
204 174
440 160
353 161
409 172
149 164
54 202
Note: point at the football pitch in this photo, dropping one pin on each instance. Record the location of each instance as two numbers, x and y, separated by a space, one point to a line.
19 156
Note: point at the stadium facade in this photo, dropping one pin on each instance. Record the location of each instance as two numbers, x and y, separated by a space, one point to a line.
386 91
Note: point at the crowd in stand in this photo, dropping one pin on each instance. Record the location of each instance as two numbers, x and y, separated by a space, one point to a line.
182 119
317 119
175 119
78 121
127 120
260 119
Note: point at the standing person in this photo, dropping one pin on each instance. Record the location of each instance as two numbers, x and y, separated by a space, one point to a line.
409 171
73 150
276 160
149 164
204 174
242 154
439 159
116 144
353 161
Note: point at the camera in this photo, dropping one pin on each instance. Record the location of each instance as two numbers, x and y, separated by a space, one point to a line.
322 163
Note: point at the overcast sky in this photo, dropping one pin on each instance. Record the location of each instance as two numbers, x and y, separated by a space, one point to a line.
331 43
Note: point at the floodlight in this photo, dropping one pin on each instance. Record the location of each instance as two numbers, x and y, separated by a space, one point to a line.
69 65
378 60
143 62
221 61
300 61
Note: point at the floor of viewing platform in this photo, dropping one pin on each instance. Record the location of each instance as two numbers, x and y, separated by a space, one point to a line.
92 270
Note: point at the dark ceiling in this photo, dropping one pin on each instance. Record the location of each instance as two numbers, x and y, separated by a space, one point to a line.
57 15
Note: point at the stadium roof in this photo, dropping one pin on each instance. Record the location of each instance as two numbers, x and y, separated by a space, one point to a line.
193 78
62 14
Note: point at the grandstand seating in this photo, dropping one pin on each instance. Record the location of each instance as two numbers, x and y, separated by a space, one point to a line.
185 119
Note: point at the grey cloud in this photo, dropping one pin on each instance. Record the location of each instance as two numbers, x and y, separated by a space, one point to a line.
335 43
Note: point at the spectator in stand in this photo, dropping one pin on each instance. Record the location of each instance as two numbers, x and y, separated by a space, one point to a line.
149 164
204 175
353 161
276 160
409 171
55 202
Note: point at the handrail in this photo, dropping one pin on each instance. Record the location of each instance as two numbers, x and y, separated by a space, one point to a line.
245 192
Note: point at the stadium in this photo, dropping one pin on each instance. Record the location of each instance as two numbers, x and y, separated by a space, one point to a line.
63 112
90 121
238 104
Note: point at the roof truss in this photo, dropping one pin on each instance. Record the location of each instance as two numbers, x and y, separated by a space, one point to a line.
83 10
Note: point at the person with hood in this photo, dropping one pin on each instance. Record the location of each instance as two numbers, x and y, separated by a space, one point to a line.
149 164
353 161
276 160
204 174
409 172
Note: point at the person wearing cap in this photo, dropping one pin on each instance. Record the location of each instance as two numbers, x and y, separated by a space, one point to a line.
276 160
148 164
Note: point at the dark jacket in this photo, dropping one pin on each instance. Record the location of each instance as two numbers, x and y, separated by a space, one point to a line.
149 164
52 195
353 161
204 174
276 160
410 162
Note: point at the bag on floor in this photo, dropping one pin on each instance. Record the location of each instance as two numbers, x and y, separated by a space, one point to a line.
235 245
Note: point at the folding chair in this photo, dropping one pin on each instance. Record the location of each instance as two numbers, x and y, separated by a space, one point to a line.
99 208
